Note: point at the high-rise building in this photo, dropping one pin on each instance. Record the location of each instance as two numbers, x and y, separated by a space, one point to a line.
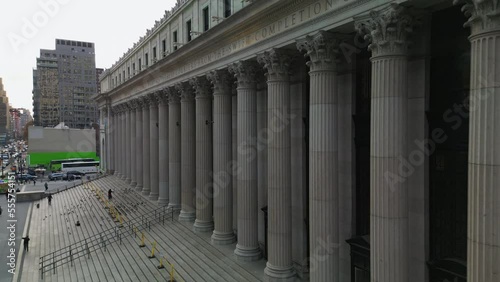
19 117
4 113
63 83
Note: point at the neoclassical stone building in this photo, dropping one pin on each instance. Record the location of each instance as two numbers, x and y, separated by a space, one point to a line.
339 140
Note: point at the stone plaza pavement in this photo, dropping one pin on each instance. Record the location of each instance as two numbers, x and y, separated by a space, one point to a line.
105 246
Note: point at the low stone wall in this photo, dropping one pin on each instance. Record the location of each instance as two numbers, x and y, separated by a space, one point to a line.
30 196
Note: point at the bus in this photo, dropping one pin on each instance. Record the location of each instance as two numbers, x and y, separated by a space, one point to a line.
85 167
55 165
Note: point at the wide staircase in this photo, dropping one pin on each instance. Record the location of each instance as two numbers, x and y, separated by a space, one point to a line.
127 238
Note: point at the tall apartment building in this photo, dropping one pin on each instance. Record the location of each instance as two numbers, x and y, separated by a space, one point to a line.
19 117
63 83
4 113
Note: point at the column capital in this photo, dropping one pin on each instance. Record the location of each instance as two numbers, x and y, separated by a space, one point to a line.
145 101
173 95
277 63
388 30
245 72
222 80
131 105
186 92
201 86
483 15
154 99
323 49
163 96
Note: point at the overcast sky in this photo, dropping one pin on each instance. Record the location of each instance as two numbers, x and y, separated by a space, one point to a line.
30 25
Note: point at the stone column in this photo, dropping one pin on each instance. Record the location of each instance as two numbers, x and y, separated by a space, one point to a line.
138 145
146 178
279 265
109 139
483 231
223 159
117 139
163 149
153 146
133 172
204 161
322 49
247 247
128 151
123 143
112 146
174 148
389 246
188 149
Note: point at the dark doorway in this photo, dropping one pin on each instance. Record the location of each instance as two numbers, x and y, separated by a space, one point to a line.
448 113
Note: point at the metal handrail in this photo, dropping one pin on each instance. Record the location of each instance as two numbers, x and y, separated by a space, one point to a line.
98 241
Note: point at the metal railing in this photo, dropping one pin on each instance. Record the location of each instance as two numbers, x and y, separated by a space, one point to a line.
99 241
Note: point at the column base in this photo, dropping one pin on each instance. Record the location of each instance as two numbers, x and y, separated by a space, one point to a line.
153 196
162 201
279 274
138 188
247 253
223 238
186 216
145 191
133 184
203 226
174 206
128 180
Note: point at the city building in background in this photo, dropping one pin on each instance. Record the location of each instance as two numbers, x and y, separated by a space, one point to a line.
63 82
19 117
4 114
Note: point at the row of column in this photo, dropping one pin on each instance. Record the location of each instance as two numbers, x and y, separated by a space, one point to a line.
190 141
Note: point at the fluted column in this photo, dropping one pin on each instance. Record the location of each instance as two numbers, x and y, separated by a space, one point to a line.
204 161
123 137
109 162
133 164
118 141
188 150
483 226
279 265
223 157
247 247
128 151
153 146
322 49
112 133
174 148
138 145
163 149
388 31
146 178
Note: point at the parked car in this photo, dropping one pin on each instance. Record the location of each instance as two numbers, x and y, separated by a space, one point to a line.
56 176
26 177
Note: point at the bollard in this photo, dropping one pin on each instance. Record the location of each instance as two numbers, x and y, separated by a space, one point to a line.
142 245
161 264
172 279
152 250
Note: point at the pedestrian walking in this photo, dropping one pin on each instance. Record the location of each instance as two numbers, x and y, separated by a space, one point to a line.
34 181
26 241
49 197
109 194
46 186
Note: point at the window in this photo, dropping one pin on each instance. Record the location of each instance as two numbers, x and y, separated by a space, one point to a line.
164 48
175 40
205 19
146 59
123 75
133 68
188 30
140 65
154 54
227 8
128 71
